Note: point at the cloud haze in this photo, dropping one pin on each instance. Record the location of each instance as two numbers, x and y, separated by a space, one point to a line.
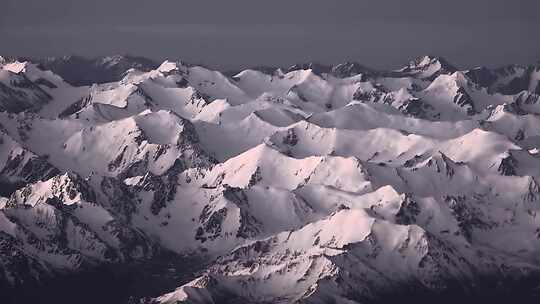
238 33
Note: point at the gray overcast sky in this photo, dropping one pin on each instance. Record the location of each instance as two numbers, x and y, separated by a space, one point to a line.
236 33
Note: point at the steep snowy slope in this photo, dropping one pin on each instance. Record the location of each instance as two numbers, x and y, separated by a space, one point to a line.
313 184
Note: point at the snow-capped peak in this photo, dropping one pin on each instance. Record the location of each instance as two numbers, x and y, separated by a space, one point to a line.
428 67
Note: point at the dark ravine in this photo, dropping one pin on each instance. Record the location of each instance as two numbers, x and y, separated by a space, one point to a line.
136 282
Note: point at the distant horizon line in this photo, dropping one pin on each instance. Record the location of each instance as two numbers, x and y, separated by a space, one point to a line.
157 62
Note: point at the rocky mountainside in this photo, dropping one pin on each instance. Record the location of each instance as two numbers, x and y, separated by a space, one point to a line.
314 184
86 71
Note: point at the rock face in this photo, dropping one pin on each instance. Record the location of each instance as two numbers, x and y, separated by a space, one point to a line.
96 70
316 184
20 167
18 93
510 79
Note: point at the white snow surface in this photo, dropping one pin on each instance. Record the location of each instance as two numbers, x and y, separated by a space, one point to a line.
294 186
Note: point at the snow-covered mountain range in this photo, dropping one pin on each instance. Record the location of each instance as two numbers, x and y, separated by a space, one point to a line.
313 184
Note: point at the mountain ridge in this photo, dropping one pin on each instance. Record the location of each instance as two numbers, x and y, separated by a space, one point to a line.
311 184
127 61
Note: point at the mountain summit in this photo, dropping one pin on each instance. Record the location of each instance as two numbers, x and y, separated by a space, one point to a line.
428 67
